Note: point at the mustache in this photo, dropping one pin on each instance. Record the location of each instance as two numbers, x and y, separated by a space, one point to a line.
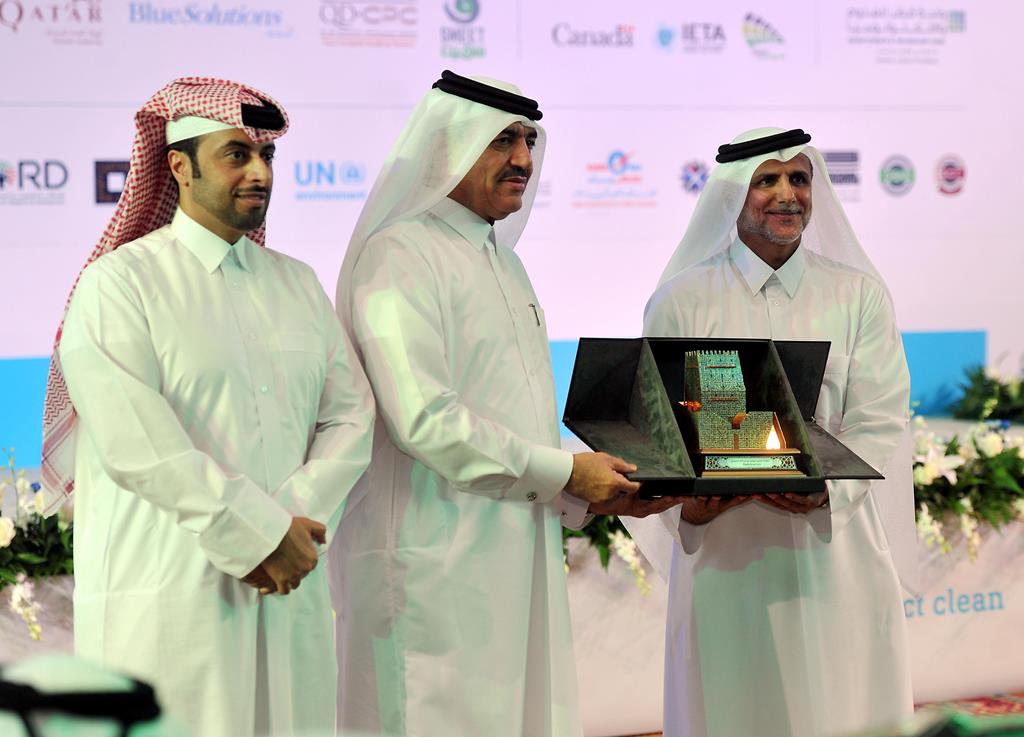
514 172
253 190
787 210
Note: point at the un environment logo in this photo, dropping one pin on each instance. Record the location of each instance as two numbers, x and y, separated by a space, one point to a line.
897 175
462 11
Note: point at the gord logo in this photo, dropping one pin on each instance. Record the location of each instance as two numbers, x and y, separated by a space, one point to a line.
32 182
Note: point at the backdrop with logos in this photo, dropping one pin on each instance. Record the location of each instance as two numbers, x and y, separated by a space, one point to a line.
914 105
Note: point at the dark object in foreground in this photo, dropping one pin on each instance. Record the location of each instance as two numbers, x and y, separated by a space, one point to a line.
625 397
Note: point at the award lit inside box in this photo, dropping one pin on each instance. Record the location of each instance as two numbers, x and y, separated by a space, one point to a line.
734 441
709 416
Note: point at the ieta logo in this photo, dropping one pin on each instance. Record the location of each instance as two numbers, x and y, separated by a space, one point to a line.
762 38
368 23
694 176
329 180
32 182
75 22
950 174
464 39
897 175
110 178
692 37
621 35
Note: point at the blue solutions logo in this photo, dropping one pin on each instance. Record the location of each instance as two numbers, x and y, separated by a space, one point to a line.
691 38
616 181
209 14
329 180
762 38
462 37
694 176
32 182
897 175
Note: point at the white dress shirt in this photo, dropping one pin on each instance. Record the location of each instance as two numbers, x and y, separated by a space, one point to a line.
781 624
450 588
218 396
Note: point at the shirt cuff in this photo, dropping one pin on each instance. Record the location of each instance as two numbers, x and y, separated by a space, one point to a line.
547 472
575 511
246 532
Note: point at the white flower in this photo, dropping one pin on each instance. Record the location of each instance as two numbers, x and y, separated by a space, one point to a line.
922 476
990 444
24 605
626 548
967 451
40 503
7 531
930 530
934 464
26 500
969 528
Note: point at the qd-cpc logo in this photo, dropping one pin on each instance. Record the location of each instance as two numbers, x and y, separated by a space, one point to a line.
950 173
897 175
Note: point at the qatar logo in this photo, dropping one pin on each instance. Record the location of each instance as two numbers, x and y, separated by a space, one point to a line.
762 38
950 174
462 11
694 176
897 175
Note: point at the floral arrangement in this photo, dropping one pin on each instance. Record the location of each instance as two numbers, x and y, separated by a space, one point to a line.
607 535
989 395
966 482
31 546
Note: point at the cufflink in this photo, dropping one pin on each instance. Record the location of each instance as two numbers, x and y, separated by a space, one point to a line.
532 496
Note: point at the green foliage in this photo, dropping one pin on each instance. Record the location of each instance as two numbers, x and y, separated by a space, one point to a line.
989 397
599 532
41 546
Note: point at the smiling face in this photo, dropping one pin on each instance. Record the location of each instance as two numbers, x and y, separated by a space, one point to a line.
228 193
777 208
494 187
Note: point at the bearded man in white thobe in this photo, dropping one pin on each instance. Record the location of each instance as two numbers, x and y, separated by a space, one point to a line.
785 615
453 616
221 417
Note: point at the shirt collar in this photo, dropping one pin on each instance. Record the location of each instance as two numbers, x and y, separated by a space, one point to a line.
464 221
756 272
209 248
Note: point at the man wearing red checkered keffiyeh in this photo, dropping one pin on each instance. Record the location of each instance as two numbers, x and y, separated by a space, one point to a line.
208 410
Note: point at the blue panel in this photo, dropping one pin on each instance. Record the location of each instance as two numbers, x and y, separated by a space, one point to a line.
22 388
937 364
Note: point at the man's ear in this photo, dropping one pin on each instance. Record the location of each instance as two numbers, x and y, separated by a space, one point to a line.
181 167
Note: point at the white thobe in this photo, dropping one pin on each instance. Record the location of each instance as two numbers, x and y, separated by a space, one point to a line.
784 625
217 396
450 586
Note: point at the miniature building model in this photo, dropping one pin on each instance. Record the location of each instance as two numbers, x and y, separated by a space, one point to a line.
717 396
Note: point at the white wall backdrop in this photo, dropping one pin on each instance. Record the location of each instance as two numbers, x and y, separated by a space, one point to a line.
636 97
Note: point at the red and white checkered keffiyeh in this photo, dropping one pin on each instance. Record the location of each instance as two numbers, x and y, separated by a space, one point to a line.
148 202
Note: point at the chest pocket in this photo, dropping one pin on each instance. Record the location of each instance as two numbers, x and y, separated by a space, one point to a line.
302 358
832 398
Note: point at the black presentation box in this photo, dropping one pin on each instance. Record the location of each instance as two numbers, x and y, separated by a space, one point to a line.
624 397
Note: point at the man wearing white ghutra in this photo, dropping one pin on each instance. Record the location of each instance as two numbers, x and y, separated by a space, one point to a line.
449 579
785 611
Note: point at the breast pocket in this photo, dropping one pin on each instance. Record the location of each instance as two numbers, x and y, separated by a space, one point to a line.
302 358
